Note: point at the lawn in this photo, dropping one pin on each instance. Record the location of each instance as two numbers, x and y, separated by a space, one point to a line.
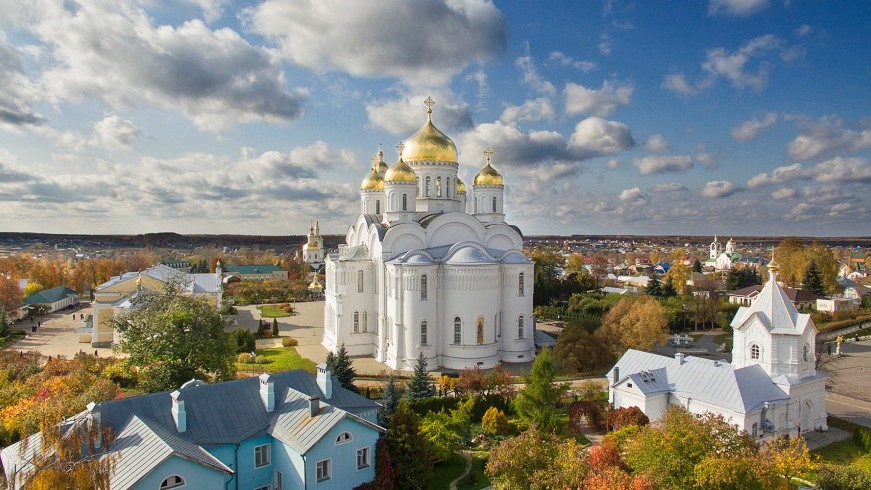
14 336
844 453
724 338
272 311
280 359
447 471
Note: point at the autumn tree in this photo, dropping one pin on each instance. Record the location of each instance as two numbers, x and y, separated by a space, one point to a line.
32 288
578 350
575 262
10 293
635 322
536 459
536 404
420 385
174 337
478 382
495 422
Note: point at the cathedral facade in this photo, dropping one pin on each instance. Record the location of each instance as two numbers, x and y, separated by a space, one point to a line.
427 268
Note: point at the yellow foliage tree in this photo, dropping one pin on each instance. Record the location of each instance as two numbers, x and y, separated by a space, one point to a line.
635 322
495 421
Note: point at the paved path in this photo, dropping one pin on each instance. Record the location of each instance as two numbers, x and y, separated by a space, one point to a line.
57 335
468 459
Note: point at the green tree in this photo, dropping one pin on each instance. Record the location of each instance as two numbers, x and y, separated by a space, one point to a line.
443 433
578 350
653 286
813 281
275 327
536 404
411 453
341 367
174 337
420 385
668 290
392 396
697 266
244 340
837 477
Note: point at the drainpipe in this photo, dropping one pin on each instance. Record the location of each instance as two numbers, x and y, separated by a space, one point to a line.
304 472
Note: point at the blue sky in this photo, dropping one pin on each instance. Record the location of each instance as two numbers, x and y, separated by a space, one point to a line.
648 117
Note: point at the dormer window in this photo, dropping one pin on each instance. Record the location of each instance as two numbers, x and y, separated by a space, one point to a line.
754 352
344 437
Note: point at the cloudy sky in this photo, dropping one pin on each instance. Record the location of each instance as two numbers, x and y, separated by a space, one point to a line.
219 116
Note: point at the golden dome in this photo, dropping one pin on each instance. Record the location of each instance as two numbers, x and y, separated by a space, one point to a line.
488 175
428 143
378 163
374 181
400 172
461 186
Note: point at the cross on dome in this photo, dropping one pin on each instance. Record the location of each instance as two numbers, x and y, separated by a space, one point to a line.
429 103
488 153
399 147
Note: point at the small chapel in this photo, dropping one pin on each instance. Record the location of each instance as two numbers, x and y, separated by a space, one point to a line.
771 388
428 267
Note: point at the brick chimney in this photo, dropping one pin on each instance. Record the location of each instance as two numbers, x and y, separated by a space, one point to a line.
314 405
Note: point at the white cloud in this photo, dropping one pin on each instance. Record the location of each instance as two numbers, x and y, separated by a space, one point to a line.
635 196
677 82
562 59
748 130
656 143
596 102
600 137
719 188
19 91
531 78
612 164
736 8
784 193
670 187
112 50
840 169
720 63
424 43
803 30
404 116
659 164
531 110
779 175
827 137
114 132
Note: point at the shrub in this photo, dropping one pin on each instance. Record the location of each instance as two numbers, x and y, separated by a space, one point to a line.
862 438
244 340
289 342
244 357
121 373
275 327
626 416
836 477
494 422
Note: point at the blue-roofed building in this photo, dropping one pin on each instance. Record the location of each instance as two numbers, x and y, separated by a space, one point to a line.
771 388
278 431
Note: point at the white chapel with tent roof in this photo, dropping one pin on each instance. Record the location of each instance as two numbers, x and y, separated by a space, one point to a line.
771 387
423 270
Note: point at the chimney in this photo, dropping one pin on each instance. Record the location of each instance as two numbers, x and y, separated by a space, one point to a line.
267 391
314 405
95 418
178 413
325 381
616 374
680 358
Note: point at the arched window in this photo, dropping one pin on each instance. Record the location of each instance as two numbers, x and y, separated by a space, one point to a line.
520 330
377 206
438 186
424 338
427 186
360 281
476 204
447 187
494 204
521 284
344 437
173 481
805 353
458 330
356 322
754 351
405 202
365 321
479 331
423 287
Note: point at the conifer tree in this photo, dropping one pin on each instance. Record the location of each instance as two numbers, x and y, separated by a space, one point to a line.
410 452
697 266
420 386
392 395
653 287
813 280
536 404
340 364
275 327
668 290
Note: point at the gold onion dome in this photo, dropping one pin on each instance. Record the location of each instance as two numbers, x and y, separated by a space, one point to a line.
488 175
400 171
374 181
378 162
428 143
461 186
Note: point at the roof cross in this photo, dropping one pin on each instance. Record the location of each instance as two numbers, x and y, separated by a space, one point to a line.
429 103
488 152
399 147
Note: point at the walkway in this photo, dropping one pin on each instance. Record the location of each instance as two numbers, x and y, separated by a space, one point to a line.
458 479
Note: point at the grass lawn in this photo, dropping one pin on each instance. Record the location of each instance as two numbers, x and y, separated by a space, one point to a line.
724 338
272 311
844 453
13 336
280 359
447 471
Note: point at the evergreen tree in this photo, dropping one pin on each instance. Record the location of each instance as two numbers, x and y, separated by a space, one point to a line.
275 327
340 364
536 404
653 286
813 280
420 386
697 266
4 327
668 290
392 395
410 452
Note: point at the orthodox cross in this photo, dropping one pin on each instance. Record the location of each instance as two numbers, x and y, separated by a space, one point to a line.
488 152
429 103
399 147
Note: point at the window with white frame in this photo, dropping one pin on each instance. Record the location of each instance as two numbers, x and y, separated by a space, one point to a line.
362 458
172 481
324 470
423 291
277 481
520 284
520 330
356 322
424 340
754 351
261 456
344 437
458 330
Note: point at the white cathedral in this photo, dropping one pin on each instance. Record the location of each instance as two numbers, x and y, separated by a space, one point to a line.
771 387
423 270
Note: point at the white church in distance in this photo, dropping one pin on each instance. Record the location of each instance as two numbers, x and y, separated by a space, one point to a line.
771 387
423 270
